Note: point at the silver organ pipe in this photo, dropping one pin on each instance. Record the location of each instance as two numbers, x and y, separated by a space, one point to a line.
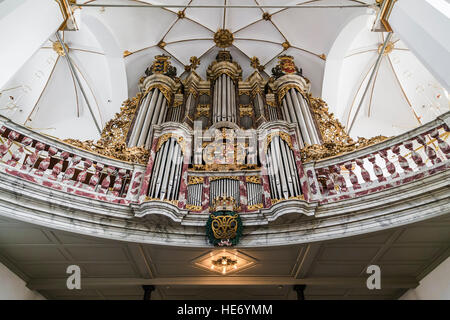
224 187
224 102
254 193
283 176
195 194
166 176
297 115
138 122
309 118
295 109
152 111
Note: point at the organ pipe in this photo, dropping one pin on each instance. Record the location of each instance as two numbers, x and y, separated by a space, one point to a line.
283 176
151 111
166 177
224 101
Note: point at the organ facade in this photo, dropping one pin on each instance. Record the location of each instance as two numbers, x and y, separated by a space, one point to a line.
222 136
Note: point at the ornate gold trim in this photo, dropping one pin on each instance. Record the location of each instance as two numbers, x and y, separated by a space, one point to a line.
255 207
195 180
192 207
165 90
253 179
284 89
245 110
223 38
283 135
224 177
162 139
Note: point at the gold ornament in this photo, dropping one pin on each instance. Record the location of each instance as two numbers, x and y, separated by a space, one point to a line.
335 140
253 179
192 207
112 142
389 47
266 16
224 177
58 48
224 227
162 139
255 207
223 38
195 180
283 135
286 45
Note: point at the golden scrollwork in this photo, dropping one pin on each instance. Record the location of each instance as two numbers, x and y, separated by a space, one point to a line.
204 92
162 139
256 90
284 89
192 207
245 110
224 177
112 142
223 38
253 179
255 64
335 140
224 227
195 180
286 45
224 167
202 110
165 90
283 135
253 207
244 92
58 48
275 201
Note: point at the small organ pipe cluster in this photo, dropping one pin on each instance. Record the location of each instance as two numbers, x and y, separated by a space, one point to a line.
199 133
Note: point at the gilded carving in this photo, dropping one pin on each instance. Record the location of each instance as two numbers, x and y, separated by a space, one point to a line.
255 207
112 142
283 135
202 110
224 177
195 180
284 89
192 207
58 48
335 140
253 179
223 38
245 110
162 139
255 64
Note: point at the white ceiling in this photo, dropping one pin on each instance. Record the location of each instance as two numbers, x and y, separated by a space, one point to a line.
42 94
116 270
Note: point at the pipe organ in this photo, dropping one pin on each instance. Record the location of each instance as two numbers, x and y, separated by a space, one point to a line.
229 111
165 178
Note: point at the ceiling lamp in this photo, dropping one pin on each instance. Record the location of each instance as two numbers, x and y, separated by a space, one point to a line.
224 261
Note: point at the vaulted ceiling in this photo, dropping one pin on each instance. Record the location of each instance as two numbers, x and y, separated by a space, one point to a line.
114 46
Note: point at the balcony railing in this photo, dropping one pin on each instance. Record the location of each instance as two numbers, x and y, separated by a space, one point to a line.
410 156
48 162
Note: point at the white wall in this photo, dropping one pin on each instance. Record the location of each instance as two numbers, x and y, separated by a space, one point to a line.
13 288
435 286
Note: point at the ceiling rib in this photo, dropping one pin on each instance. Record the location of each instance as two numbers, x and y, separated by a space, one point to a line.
45 87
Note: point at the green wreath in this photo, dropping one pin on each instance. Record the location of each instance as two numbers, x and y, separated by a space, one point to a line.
224 242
